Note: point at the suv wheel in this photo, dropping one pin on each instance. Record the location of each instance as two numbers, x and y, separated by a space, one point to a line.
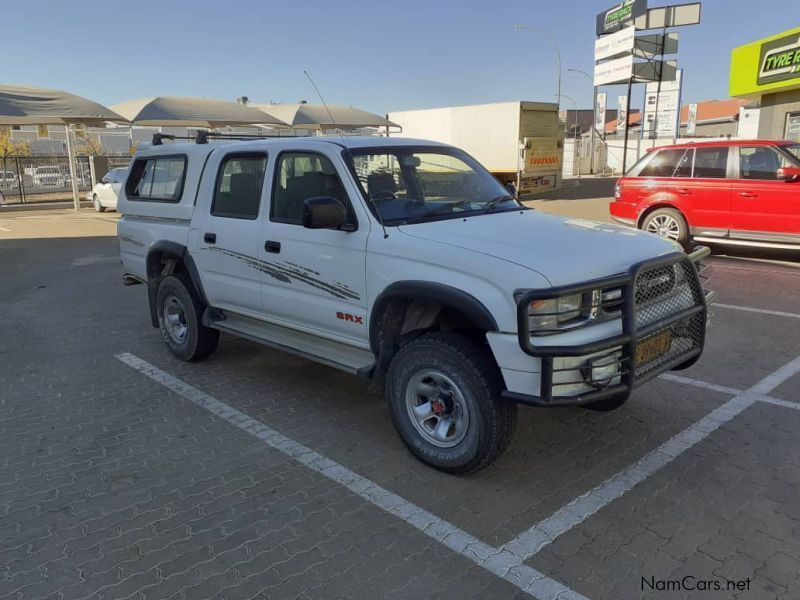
180 313
444 399
667 223
97 206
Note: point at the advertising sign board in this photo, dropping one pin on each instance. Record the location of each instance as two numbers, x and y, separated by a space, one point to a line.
620 15
622 112
618 70
661 108
600 112
614 45
691 120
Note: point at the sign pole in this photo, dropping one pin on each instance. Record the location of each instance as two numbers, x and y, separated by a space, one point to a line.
627 121
654 135
594 123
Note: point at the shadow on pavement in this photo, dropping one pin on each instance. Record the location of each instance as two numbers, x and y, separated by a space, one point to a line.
581 189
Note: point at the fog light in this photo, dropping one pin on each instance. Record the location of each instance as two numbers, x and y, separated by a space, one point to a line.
602 370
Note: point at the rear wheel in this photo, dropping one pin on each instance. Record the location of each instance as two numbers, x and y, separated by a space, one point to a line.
180 313
97 206
444 398
668 223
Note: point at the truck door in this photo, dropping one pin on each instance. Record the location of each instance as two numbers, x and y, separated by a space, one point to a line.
313 278
226 230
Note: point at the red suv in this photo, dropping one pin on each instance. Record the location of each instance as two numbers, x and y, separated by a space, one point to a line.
741 192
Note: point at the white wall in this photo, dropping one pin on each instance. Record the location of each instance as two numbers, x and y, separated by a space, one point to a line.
637 148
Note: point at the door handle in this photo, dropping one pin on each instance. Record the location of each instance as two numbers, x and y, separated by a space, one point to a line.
748 194
683 191
274 247
210 238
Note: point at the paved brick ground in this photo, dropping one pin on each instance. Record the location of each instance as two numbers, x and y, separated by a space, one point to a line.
112 486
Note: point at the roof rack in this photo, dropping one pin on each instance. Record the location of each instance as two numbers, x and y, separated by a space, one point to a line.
202 137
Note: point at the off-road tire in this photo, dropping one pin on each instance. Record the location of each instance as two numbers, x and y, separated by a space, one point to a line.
675 215
199 341
472 368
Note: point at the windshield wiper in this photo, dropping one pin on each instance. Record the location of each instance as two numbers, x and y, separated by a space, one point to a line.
492 205
441 210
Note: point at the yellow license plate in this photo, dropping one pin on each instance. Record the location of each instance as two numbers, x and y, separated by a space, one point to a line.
652 348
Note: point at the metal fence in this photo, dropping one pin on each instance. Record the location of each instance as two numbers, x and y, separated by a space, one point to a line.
30 179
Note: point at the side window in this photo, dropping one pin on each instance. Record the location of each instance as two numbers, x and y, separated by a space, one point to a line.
299 176
663 164
240 179
158 179
760 162
711 163
684 168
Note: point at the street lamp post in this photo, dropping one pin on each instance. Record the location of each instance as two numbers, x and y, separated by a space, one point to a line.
594 117
555 47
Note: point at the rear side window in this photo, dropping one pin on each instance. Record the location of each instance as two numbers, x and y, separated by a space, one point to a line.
760 162
711 163
157 179
237 194
663 164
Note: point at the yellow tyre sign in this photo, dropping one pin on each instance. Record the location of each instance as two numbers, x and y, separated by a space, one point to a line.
767 65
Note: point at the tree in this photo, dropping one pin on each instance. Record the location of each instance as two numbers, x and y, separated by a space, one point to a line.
10 147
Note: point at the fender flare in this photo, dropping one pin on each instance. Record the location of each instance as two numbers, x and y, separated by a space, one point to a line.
153 265
431 292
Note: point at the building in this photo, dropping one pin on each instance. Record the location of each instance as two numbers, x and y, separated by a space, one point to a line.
768 71
715 118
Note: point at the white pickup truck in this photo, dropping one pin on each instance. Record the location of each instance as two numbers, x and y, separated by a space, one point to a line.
406 263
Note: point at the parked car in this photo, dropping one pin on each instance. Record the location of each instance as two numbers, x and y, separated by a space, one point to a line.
406 263
50 176
8 180
105 192
739 192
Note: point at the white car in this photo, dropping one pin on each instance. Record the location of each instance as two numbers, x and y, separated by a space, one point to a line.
8 180
50 176
406 263
105 192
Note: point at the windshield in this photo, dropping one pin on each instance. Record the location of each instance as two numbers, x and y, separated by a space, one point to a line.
793 149
415 184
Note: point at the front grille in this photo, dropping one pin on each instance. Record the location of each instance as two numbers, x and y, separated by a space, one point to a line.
661 293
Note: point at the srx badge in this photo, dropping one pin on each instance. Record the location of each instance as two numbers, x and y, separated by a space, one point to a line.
351 318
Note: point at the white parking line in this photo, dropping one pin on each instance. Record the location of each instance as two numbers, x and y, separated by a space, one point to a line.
498 561
764 311
578 510
723 389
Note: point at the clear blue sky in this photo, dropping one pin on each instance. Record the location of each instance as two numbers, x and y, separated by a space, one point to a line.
374 54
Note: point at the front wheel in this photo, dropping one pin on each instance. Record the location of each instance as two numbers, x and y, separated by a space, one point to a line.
444 399
180 312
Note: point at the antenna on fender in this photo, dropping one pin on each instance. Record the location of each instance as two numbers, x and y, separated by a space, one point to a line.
347 149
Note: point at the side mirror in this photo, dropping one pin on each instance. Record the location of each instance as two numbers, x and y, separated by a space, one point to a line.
511 189
789 173
324 212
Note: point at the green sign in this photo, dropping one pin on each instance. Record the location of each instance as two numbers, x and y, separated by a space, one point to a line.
780 60
768 65
616 17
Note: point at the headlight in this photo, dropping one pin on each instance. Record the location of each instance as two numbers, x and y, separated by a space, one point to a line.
547 316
